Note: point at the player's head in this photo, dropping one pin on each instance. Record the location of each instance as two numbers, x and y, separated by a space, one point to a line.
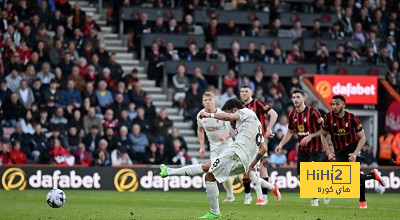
232 105
246 93
298 97
208 100
338 104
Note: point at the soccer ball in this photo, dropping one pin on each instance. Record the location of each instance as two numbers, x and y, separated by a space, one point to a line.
379 189
55 198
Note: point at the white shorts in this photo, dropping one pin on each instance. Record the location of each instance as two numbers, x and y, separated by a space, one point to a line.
225 165
216 152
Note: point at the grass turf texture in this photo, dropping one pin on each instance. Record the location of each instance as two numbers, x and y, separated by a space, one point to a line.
31 204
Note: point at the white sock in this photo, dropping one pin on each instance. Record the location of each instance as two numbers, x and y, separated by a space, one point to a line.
213 195
256 183
190 170
228 187
265 184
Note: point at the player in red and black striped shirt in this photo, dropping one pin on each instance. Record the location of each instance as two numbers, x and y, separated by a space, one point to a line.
306 122
261 110
348 139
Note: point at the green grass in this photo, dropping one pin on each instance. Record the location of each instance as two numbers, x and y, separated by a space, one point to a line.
31 204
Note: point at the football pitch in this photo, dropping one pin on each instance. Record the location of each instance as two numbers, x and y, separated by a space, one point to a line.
153 205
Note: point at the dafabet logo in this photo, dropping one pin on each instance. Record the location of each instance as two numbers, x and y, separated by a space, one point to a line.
14 178
126 180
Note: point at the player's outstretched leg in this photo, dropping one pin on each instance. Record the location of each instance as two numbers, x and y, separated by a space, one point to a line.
212 195
264 175
190 170
271 187
364 177
229 190
246 184
257 187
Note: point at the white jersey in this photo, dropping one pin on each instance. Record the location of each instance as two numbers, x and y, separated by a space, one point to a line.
249 136
215 128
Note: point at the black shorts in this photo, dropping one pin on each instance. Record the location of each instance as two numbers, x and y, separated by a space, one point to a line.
342 155
309 157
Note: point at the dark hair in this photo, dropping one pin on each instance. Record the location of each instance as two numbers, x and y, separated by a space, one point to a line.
298 91
232 103
245 86
339 97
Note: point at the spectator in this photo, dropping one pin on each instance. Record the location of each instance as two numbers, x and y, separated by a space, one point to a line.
155 67
153 155
90 94
230 28
27 123
295 55
292 156
132 111
252 54
71 95
159 26
110 121
103 55
115 68
367 157
56 53
297 31
193 100
246 81
39 144
5 92
173 27
101 157
139 144
59 155
209 54
13 110
322 60
234 57
161 125
347 23
277 160
340 57
181 86
59 120
13 80
199 77
111 139
255 30
82 157
25 94
149 108
180 157
277 56
131 79
120 157
264 57
121 89
281 125
211 31
354 58
119 104
104 97
146 124
230 80
92 139
45 75
228 94
66 64
5 156
316 31
359 33
17 156
123 119
80 83
335 32
73 139
193 54
137 95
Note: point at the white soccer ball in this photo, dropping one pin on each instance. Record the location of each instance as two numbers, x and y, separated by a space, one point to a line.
379 189
56 198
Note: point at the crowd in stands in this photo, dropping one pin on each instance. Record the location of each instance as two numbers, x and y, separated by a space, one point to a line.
67 101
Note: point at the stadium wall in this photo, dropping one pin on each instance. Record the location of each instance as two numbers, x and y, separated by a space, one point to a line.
131 179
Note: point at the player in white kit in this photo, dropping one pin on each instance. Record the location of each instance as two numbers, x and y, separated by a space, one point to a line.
241 157
218 134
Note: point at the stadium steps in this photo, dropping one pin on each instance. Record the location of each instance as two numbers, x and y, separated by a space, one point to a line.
114 43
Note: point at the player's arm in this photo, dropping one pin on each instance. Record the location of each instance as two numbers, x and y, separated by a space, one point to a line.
201 136
309 137
324 141
286 138
273 117
360 145
221 116
262 149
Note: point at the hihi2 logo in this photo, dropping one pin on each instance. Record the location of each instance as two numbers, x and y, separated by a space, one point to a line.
329 180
